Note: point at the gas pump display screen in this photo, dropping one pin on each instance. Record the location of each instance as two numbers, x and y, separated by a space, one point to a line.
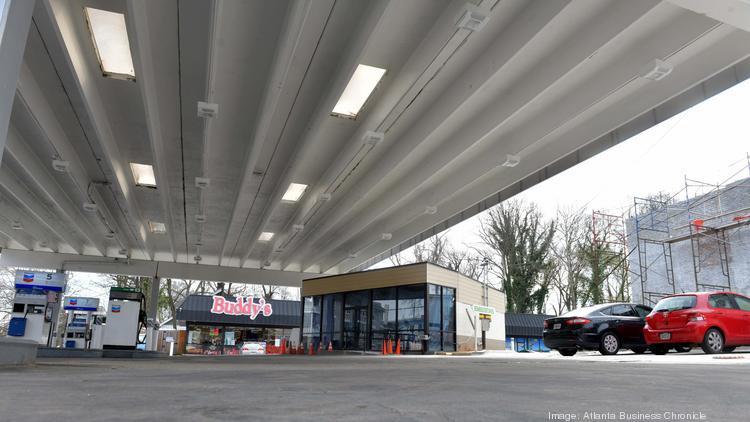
18 307
121 295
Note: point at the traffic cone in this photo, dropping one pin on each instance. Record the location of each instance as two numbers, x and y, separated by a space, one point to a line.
312 349
292 350
300 349
320 347
390 347
283 346
398 346
330 346
385 352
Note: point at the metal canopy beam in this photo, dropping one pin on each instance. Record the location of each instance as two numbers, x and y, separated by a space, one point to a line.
14 29
136 267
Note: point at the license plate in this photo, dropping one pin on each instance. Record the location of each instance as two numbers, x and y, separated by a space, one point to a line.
665 336
556 326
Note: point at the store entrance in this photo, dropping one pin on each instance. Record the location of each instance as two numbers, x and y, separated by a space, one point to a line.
356 318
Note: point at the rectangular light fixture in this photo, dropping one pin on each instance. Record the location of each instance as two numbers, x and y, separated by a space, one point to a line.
158 228
143 175
110 37
358 90
265 236
294 192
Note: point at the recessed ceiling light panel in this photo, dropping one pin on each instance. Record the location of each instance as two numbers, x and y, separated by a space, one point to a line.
157 228
110 37
265 236
143 175
358 90
294 192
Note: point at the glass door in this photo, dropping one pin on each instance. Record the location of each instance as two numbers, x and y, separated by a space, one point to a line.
356 318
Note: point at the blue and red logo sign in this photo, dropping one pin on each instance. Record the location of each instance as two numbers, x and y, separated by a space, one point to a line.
28 277
115 309
73 302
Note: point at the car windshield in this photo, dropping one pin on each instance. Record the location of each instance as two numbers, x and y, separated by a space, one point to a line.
675 303
583 311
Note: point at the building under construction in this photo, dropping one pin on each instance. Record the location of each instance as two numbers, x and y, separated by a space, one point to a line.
695 240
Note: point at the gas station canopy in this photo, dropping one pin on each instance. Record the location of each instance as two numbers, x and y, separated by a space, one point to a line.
322 136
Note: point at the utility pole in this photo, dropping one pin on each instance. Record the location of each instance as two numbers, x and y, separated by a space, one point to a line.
485 290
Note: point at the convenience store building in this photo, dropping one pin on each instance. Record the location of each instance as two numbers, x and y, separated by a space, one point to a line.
426 307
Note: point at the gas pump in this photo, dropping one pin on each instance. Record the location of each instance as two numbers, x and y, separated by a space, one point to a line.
125 316
35 305
97 330
78 330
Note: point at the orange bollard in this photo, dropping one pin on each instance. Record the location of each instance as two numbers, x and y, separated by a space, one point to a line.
398 346
330 346
390 347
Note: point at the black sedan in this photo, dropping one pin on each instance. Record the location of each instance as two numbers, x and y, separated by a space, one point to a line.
606 328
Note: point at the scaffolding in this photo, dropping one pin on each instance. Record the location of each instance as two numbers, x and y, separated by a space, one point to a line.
709 217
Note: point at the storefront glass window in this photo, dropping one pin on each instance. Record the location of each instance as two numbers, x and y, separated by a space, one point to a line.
435 317
356 318
232 340
204 340
442 318
449 319
333 306
411 316
311 321
383 316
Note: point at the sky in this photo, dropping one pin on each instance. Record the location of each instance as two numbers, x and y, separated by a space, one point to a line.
708 142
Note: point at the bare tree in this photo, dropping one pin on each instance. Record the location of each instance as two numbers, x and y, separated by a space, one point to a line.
432 250
7 294
464 261
520 241
606 278
569 239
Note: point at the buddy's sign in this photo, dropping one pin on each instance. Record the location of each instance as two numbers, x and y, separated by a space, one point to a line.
242 306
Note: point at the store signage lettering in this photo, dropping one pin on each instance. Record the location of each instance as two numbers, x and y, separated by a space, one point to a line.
242 306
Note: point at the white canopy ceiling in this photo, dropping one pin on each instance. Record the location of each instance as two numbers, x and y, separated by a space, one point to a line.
552 82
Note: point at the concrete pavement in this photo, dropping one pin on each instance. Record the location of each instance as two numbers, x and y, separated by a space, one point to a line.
369 388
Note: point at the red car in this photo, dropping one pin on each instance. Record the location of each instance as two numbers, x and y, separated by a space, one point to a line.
716 321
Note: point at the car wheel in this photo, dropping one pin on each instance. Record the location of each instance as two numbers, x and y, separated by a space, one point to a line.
659 350
682 349
639 350
567 352
729 349
609 344
713 341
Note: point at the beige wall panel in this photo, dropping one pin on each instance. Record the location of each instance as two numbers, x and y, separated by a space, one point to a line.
374 279
497 300
441 276
470 293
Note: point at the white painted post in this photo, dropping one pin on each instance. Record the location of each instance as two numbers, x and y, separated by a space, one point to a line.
476 341
153 307
15 20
